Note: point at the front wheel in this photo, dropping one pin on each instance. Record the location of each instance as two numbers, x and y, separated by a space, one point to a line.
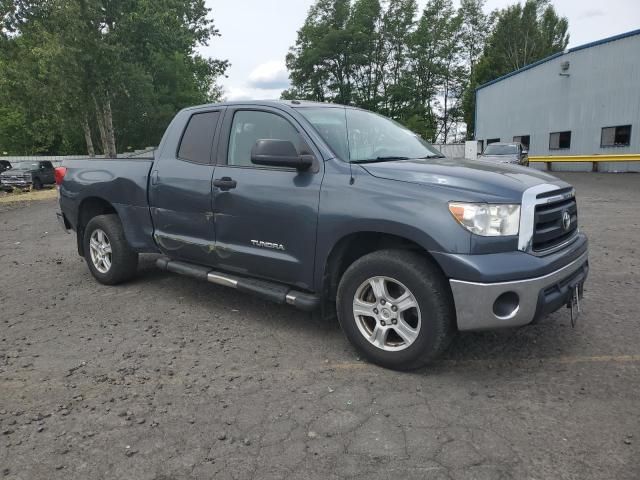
37 184
110 258
396 309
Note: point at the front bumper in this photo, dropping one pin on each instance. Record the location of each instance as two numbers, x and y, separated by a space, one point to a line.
481 306
20 183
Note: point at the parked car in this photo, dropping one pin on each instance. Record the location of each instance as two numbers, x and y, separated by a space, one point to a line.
512 152
4 165
27 174
337 210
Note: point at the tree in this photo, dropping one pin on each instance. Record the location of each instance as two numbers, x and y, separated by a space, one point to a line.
474 29
368 57
434 67
118 68
395 32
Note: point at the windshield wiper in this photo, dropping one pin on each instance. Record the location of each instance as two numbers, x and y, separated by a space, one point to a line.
431 156
380 159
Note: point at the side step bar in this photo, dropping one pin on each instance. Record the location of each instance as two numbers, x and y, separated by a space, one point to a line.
271 291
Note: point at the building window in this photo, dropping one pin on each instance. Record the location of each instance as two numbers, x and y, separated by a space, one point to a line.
524 140
492 140
616 136
559 140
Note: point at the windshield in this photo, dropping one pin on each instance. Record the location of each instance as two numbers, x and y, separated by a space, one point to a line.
501 150
25 165
361 136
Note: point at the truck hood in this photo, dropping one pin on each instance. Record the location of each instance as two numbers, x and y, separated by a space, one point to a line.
485 181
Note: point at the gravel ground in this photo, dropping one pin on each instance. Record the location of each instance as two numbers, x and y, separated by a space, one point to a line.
167 378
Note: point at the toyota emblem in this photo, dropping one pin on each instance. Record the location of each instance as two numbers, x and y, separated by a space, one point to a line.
566 220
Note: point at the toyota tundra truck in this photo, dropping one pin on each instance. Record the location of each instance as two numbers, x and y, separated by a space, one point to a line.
340 211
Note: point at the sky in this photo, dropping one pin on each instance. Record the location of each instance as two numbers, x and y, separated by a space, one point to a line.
256 36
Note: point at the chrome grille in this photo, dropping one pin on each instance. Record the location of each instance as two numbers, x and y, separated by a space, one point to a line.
555 219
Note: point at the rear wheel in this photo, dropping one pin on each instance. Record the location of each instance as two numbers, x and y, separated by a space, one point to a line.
396 309
110 258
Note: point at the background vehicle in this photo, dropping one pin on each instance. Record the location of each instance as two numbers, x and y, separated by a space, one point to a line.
338 209
4 166
28 174
513 152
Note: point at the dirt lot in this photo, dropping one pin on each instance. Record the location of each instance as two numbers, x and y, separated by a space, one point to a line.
168 378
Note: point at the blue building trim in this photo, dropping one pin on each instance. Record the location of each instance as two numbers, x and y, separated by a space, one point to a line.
556 55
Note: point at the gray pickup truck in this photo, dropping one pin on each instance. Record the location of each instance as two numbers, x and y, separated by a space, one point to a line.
340 211
27 174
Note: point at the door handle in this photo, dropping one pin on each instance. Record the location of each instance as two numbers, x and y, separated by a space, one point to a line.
225 183
154 177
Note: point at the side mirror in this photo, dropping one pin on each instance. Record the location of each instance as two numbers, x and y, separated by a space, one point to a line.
279 153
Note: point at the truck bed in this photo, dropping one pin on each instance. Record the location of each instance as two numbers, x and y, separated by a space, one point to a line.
122 182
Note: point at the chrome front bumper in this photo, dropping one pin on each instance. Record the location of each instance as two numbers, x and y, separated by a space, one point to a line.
476 302
16 183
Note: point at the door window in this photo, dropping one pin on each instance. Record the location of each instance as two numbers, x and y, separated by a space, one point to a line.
249 126
198 137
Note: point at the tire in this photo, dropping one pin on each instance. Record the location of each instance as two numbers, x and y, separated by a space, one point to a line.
37 184
432 319
122 259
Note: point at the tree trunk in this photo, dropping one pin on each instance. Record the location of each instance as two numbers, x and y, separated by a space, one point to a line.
108 123
87 137
101 128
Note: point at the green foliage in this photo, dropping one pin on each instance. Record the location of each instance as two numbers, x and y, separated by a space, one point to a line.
422 69
124 66
381 56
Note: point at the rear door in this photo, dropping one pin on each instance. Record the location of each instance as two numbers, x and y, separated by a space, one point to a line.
266 217
180 192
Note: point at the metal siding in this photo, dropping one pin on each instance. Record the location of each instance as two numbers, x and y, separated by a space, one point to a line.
601 91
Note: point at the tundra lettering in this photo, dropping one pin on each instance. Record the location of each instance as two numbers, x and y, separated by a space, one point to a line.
260 243
403 246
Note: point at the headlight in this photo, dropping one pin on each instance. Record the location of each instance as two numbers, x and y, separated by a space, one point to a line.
488 220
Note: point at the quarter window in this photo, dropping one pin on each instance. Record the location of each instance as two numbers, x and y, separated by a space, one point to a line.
249 126
198 137
559 140
616 136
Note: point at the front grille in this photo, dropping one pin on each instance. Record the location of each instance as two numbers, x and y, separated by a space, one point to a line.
549 228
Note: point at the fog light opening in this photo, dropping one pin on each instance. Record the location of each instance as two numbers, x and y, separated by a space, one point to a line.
506 305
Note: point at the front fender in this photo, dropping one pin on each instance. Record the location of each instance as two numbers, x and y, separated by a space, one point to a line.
373 205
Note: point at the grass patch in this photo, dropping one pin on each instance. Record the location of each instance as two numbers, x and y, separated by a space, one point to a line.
28 196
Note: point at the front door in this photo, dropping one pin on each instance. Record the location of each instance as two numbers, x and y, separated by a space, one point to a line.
180 193
266 217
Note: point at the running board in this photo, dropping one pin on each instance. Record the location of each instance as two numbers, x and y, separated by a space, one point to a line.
271 291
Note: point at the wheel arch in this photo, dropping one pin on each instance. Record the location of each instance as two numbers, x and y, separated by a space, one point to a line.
353 246
89 208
